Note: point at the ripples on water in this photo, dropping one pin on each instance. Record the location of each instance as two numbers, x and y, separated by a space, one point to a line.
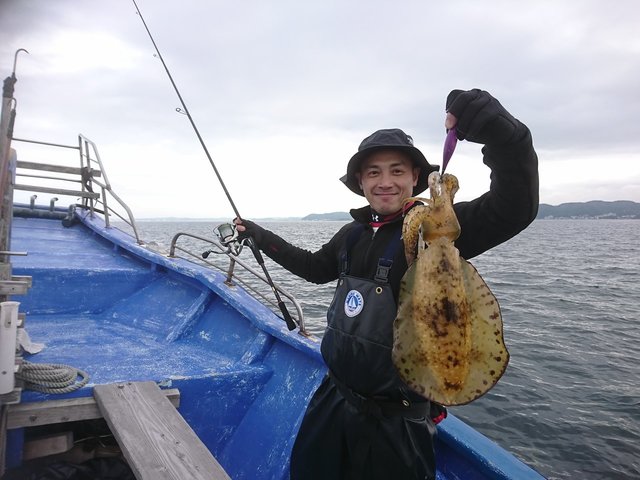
569 403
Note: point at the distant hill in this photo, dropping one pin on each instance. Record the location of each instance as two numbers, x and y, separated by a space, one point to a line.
593 209
338 216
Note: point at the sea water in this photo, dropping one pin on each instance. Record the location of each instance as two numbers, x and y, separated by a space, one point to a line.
569 290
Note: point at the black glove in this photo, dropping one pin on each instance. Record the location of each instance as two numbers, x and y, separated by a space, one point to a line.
481 118
252 230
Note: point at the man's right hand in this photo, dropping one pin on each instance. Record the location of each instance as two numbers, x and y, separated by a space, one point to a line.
247 228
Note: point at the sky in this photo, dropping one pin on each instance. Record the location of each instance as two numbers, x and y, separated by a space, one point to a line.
283 92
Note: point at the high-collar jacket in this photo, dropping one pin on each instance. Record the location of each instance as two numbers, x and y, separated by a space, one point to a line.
509 206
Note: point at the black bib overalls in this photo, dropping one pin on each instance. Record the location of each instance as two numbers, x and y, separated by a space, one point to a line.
362 422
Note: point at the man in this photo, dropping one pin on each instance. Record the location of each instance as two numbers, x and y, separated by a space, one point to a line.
363 422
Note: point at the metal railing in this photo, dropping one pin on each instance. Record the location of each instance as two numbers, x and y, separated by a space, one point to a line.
92 192
232 253
86 147
93 189
95 193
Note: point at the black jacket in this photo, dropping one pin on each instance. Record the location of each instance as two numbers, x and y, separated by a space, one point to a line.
509 206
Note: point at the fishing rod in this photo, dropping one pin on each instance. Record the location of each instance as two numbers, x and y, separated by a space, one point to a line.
254 248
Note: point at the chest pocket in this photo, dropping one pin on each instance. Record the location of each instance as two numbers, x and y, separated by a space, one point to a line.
362 307
359 336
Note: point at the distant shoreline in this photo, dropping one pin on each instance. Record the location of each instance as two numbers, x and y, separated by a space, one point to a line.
595 210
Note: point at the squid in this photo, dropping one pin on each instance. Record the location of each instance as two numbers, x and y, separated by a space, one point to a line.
448 342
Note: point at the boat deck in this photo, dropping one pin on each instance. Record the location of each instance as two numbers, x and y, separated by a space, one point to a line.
120 312
100 309
119 317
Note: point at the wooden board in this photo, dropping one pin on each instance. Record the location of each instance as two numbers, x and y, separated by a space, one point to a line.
47 445
49 412
155 439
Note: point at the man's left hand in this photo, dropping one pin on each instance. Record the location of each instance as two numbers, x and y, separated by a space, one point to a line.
480 118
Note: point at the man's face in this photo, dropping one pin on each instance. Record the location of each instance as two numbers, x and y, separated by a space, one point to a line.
387 178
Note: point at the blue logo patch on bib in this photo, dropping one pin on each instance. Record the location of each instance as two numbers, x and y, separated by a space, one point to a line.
353 304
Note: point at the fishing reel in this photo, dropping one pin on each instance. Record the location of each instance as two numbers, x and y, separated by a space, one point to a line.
228 238
226 232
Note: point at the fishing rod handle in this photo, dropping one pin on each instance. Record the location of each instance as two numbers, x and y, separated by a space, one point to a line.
291 324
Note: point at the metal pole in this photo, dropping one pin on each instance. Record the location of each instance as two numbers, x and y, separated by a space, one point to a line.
256 252
7 116
186 111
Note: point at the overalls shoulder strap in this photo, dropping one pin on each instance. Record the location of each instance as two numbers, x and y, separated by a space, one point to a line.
352 239
384 263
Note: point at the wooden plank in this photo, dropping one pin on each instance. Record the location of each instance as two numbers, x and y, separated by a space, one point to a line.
59 191
48 167
61 411
23 278
47 445
156 441
12 287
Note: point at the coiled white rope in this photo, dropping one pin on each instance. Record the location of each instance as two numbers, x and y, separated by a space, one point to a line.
51 377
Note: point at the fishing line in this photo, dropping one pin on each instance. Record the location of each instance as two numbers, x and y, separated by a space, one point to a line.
254 248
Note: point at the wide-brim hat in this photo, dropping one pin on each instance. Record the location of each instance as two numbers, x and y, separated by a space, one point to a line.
388 139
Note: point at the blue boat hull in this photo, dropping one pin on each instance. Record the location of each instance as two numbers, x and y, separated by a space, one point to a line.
122 312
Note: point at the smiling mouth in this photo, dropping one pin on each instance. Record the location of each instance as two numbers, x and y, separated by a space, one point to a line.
386 194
